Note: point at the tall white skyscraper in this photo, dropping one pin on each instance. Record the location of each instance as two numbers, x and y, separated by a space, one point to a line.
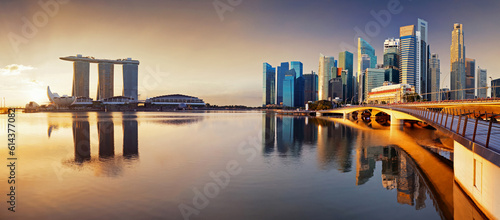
326 63
457 61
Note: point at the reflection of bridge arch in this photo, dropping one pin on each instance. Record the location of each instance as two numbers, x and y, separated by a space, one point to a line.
393 113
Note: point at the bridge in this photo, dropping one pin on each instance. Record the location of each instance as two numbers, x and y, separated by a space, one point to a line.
476 134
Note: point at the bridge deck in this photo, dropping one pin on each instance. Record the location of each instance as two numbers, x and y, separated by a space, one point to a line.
451 122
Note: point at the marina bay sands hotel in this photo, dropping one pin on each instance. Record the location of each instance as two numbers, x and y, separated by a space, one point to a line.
106 76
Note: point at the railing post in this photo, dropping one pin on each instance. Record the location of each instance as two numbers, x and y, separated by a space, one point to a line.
489 131
475 129
452 120
446 122
465 126
459 121
441 123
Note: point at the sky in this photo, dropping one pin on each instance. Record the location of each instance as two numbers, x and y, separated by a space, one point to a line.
214 49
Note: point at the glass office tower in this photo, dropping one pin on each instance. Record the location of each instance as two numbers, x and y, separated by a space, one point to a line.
373 78
299 83
280 76
345 62
470 78
422 78
289 88
310 87
364 48
268 85
407 53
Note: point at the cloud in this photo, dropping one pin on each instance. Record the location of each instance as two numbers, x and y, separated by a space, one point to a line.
14 69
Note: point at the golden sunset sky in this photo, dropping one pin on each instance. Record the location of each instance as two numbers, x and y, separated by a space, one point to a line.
185 47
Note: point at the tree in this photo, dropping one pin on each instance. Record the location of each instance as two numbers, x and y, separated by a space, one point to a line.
411 97
321 105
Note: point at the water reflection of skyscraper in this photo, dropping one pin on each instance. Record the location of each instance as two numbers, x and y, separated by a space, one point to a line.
398 171
105 130
81 140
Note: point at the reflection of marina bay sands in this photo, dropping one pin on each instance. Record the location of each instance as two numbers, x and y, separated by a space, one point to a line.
105 130
81 76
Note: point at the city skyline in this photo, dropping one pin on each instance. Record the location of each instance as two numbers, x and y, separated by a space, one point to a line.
168 46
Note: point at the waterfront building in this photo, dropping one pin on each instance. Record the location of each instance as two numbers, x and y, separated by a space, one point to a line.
289 88
374 78
481 82
105 77
495 88
407 53
345 62
326 65
470 78
280 76
422 78
389 93
364 48
310 87
268 85
174 101
434 75
457 60
365 64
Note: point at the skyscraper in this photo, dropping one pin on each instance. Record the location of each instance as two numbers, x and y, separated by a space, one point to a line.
434 75
481 82
365 64
391 45
391 60
105 85
326 64
268 85
407 53
289 88
364 48
280 76
310 87
373 78
422 79
457 60
346 63
470 78
80 78
130 80
495 88
299 83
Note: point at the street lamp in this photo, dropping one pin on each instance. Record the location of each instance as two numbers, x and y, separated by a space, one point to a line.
491 85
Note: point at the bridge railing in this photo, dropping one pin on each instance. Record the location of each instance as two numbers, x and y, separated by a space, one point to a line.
474 126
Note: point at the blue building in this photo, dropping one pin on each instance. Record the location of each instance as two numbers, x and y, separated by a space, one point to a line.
345 62
289 88
268 85
299 83
280 77
408 52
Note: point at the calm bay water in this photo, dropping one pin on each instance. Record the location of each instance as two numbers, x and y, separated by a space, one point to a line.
246 165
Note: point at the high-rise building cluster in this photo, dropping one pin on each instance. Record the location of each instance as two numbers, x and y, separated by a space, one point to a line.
407 60
287 85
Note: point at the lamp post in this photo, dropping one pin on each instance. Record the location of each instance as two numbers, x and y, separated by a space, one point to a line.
491 85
